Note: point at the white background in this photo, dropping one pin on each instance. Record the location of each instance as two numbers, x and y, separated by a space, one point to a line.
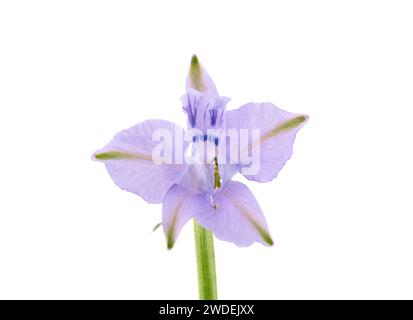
73 73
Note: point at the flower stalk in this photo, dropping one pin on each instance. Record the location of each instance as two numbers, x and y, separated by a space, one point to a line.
205 258
204 240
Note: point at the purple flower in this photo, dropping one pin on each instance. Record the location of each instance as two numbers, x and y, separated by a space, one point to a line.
202 189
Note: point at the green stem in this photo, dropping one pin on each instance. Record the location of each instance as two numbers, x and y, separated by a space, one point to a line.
205 258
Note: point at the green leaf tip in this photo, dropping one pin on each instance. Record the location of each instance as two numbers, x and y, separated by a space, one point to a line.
156 227
195 74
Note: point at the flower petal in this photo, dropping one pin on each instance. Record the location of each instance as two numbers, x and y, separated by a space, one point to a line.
237 218
198 79
277 134
179 206
128 159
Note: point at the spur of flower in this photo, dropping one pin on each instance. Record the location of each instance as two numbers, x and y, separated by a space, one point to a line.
195 182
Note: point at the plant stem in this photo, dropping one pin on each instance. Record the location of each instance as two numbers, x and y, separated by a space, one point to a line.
205 258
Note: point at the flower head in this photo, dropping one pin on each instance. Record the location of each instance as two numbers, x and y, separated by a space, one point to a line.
193 178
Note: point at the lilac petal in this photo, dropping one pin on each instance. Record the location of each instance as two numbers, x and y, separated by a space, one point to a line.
198 79
179 206
128 159
278 129
197 178
237 218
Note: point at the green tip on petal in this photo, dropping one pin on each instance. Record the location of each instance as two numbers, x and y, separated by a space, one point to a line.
170 233
195 61
111 155
195 74
267 238
263 233
291 124
118 155
286 126
170 240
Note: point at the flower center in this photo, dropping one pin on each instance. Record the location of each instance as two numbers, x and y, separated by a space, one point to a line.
203 111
